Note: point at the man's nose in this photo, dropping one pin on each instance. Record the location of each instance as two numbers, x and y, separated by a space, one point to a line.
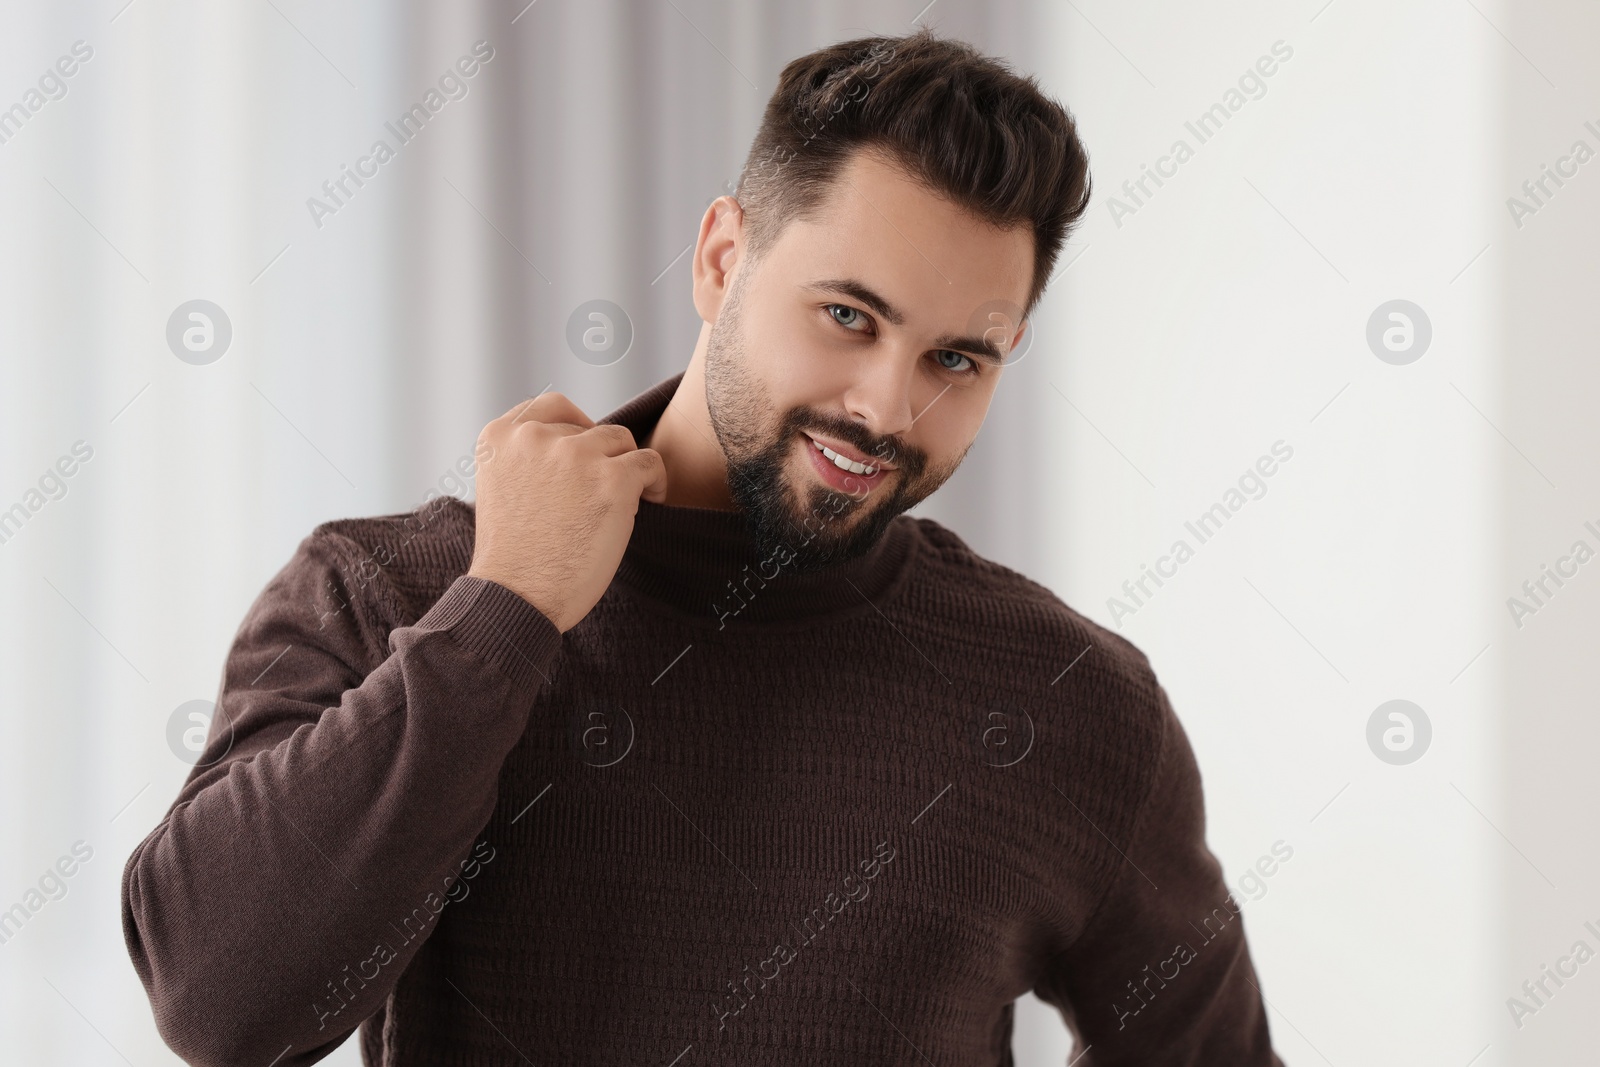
879 394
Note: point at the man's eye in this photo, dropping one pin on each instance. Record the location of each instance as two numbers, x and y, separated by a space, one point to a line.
942 354
846 316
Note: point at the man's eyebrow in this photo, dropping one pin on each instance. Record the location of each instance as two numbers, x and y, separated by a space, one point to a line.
851 287
979 345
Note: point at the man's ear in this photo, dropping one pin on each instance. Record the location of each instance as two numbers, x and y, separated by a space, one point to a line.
716 251
1016 337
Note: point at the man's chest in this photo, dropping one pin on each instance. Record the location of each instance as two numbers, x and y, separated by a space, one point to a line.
777 792
756 831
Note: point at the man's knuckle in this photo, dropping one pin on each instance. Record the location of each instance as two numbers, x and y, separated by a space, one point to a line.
621 434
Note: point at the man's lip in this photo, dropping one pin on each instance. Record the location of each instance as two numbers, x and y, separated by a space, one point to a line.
848 453
853 485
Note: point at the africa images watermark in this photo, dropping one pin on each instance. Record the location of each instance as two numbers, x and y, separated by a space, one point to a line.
452 86
855 89
1538 590
412 926
52 486
1204 127
1579 154
1204 528
1254 885
1576 957
450 485
743 991
52 85
781 556
52 886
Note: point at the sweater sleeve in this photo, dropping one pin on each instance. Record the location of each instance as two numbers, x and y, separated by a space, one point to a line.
327 810
1161 974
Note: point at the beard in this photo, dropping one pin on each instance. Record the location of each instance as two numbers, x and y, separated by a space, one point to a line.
807 526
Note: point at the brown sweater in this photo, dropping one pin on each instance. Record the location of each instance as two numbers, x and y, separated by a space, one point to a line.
732 817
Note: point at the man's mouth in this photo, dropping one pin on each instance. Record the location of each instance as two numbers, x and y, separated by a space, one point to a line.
847 459
848 474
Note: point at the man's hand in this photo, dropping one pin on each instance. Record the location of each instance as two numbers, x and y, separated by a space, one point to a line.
556 499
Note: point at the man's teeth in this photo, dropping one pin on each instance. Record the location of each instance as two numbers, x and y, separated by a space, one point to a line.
845 464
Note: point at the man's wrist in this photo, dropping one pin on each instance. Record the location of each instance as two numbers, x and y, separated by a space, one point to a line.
496 624
538 599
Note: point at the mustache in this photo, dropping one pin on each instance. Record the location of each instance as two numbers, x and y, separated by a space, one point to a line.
884 449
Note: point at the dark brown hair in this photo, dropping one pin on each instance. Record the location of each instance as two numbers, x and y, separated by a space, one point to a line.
962 123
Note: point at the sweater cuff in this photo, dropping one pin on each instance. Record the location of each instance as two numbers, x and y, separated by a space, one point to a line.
498 626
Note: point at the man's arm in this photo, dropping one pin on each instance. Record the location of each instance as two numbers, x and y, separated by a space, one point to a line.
282 896
1161 975
342 805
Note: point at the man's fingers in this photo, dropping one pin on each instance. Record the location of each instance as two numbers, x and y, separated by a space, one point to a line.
508 417
547 407
648 468
613 439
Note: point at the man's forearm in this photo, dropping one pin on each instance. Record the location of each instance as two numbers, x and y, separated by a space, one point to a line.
275 907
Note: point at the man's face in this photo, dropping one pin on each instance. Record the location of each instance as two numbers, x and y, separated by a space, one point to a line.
862 330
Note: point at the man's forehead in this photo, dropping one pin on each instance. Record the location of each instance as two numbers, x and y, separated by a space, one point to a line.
928 255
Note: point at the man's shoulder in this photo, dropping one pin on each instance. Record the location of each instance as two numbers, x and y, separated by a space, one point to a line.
1097 714
400 563
1020 613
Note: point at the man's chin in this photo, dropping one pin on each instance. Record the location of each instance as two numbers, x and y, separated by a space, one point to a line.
823 535
801 523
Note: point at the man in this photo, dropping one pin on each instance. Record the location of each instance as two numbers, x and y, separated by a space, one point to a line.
685 745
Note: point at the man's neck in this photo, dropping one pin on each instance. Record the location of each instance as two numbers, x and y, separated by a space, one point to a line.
697 470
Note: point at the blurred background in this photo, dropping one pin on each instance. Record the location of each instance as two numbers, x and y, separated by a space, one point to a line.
1369 263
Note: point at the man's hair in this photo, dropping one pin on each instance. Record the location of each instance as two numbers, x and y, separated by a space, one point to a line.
962 123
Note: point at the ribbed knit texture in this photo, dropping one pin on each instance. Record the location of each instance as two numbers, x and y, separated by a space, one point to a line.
732 817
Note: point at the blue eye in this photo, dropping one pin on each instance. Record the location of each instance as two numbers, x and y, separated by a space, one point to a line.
939 355
844 315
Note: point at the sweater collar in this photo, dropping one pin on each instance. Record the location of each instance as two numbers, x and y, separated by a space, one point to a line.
704 562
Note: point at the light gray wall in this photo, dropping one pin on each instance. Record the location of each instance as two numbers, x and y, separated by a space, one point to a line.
1227 312
1547 870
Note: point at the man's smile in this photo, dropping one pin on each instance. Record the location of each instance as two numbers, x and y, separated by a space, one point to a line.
844 468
